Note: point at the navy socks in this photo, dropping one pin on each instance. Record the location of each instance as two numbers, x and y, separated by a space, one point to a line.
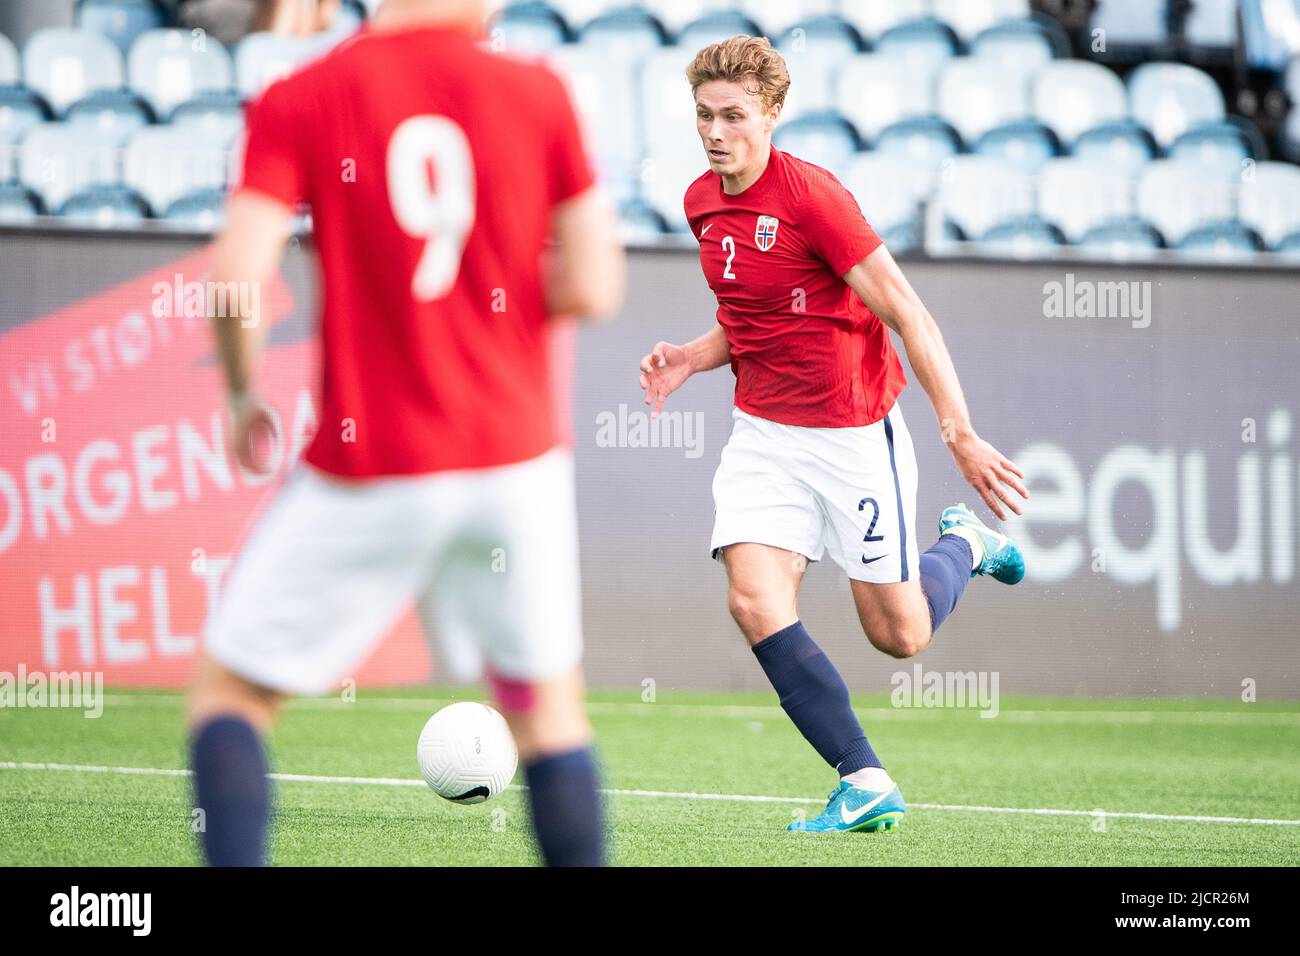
816 698
231 790
945 572
566 806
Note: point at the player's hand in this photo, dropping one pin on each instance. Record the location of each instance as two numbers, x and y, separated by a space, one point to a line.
253 430
662 373
990 473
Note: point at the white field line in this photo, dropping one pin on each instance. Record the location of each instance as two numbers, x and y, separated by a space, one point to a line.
768 712
669 794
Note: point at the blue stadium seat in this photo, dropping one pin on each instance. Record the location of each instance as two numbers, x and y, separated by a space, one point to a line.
976 95
1022 46
529 26
57 160
1124 144
18 205
664 183
872 19
601 88
639 222
1179 197
119 20
1269 201
874 91
627 32
1290 135
904 237
578 13
1071 96
1211 24
115 110
1229 147
203 210
667 108
889 190
775 16
925 44
812 84
104 207
8 62
65 65
675 15
1128 238
1023 144
164 163
20 110
168 67
1171 98
825 139
977 193
828 39
968 17
1023 237
927 141
715 27
1267 47
1079 195
263 58
1289 246
1143 24
1226 241
220 114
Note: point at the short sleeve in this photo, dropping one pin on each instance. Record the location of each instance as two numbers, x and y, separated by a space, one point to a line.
834 227
569 171
273 162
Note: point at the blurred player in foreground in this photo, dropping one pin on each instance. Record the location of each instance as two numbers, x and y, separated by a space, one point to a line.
436 173
819 457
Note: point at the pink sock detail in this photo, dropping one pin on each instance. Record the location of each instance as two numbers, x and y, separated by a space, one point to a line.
510 694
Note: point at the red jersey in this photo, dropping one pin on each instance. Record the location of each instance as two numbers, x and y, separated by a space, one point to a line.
431 166
804 348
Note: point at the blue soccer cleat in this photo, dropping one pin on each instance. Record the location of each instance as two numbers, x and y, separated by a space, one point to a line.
1001 559
853 808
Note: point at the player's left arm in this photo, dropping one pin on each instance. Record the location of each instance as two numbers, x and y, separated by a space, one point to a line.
246 258
880 284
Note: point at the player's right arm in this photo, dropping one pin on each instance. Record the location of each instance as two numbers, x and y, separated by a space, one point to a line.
587 266
667 366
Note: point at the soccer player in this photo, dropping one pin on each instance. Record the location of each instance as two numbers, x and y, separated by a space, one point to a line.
436 172
819 458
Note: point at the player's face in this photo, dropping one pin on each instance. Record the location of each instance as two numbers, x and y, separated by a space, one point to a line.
735 128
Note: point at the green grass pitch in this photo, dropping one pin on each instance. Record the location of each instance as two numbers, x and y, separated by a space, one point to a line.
1197 758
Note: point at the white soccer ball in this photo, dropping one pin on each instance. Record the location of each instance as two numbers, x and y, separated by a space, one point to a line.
466 753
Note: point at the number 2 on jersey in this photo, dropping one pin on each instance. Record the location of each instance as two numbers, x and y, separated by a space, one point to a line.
729 244
437 209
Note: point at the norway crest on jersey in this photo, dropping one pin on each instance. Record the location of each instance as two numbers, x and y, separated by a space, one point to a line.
765 233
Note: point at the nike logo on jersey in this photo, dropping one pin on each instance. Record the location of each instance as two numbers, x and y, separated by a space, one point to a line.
705 229
867 560
860 812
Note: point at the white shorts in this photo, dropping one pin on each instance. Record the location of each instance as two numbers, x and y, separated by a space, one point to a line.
488 556
850 491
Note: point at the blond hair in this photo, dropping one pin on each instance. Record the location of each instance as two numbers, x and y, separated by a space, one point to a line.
749 61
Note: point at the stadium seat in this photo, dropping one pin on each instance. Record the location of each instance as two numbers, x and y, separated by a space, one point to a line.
1071 96
874 91
203 210
1229 147
1120 239
119 20
168 67
1124 145
664 185
676 15
1078 195
871 20
1021 46
975 95
64 65
1023 144
667 109
1289 246
57 160
8 62
603 91
117 111
1227 241
903 237
812 84
889 190
828 39
220 114
825 139
626 33
1023 237
18 205
1170 98
164 163
925 44
968 17
927 141
20 110
775 16
1269 201
104 207
977 193
529 26
1179 197
1125 23
1211 25
578 13
714 28
1290 135
639 222
263 58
